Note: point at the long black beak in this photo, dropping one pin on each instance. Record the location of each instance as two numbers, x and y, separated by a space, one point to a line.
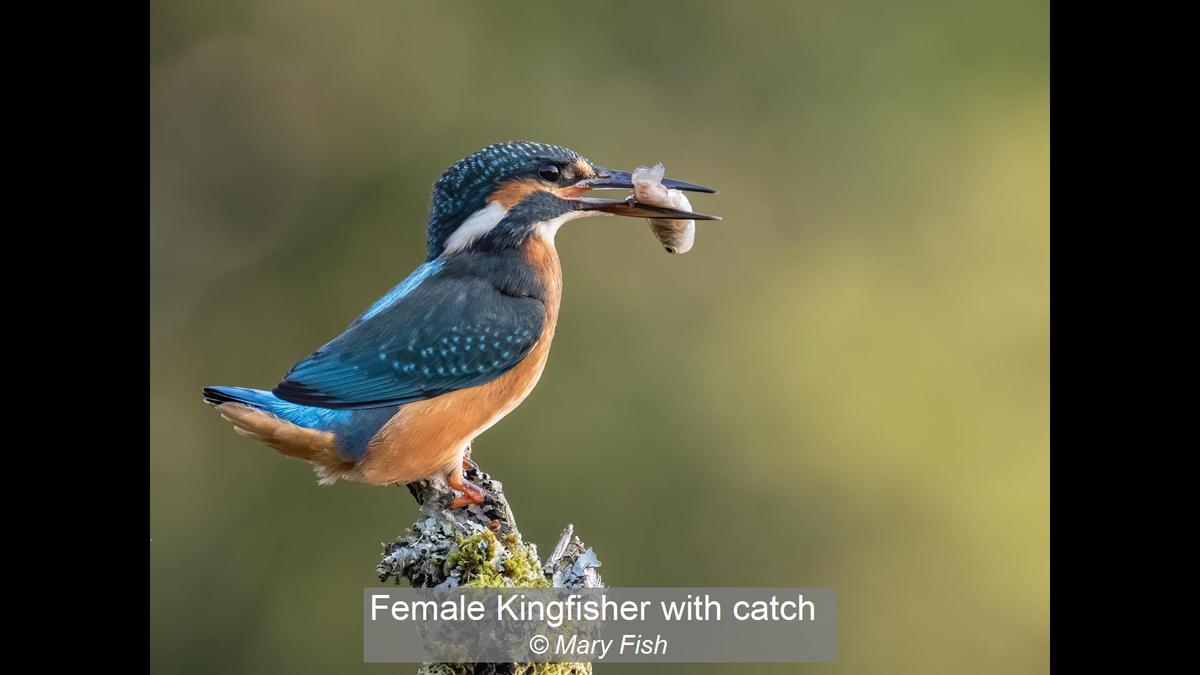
631 207
610 179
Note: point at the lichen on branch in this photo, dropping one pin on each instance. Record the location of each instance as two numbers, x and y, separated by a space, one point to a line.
480 547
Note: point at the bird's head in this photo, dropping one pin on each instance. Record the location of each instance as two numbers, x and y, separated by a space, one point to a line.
500 196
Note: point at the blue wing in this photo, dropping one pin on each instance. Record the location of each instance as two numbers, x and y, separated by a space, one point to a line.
423 272
436 332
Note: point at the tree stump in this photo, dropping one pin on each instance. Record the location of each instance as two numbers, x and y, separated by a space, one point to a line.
480 547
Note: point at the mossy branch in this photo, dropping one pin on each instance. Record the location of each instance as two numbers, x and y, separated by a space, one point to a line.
481 547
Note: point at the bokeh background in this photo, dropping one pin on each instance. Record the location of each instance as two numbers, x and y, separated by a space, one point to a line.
844 384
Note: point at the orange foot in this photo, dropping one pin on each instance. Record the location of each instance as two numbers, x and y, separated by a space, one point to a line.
472 493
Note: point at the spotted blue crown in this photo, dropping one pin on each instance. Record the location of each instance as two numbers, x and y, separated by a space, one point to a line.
464 187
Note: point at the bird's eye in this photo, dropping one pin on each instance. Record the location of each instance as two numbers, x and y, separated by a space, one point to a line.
548 172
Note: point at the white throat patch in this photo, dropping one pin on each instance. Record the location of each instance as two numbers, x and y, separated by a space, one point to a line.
548 228
480 223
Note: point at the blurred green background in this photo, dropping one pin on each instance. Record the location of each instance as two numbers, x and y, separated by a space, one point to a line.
845 383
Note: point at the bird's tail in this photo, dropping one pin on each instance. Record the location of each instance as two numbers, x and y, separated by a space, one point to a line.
255 398
295 430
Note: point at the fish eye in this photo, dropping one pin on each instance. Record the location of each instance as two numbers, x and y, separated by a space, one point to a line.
548 172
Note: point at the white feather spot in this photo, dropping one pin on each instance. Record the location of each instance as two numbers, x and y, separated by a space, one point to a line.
548 228
478 224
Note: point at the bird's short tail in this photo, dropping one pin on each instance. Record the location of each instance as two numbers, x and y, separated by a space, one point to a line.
251 397
291 429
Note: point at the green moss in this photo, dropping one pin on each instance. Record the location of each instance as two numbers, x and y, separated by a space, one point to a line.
520 669
484 560
487 560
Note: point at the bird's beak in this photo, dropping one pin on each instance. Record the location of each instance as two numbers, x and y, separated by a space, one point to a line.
609 179
631 207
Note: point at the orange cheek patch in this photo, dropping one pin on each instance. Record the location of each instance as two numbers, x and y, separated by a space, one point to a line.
514 191
583 170
511 193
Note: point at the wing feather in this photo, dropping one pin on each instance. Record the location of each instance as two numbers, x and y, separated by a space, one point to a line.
444 333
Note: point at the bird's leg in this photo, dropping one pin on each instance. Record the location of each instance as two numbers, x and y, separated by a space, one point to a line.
471 493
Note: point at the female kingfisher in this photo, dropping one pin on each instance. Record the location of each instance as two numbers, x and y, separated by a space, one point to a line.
400 395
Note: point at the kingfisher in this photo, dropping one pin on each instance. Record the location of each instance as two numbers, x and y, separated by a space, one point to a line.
402 392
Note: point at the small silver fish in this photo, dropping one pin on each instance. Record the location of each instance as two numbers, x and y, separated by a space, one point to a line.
676 236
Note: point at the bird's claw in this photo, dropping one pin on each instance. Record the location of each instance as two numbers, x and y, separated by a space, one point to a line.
471 494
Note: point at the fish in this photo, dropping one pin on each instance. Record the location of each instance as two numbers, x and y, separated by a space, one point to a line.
676 236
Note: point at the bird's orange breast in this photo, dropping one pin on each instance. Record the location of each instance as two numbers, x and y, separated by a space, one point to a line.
427 438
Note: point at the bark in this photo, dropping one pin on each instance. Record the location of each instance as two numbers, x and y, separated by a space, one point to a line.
481 547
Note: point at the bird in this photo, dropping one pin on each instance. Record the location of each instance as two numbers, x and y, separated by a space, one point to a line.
401 394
